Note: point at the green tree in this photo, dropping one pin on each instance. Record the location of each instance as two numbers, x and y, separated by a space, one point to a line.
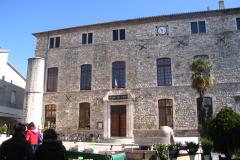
201 81
225 131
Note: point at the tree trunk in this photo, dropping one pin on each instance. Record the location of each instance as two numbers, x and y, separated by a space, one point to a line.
201 118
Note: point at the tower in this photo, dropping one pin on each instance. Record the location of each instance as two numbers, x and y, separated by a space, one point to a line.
32 109
3 61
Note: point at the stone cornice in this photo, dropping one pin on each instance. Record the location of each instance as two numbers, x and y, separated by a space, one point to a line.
162 18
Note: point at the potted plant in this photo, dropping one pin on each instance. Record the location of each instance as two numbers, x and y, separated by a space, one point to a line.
192 149
174 150
3 129
162 151
3 132
207 146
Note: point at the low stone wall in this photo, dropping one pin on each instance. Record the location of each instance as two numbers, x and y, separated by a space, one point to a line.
138 154
149 137
186 133
81 136
151 140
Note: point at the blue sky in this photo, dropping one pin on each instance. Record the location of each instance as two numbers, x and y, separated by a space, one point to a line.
20 18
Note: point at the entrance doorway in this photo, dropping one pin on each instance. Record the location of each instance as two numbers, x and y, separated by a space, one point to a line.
118 121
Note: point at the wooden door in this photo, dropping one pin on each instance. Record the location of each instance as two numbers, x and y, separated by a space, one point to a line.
114 124
118 121
122 122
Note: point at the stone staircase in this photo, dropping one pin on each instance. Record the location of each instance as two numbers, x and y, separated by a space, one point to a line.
117 140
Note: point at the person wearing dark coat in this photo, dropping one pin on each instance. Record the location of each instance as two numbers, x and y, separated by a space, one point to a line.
17 147
51 148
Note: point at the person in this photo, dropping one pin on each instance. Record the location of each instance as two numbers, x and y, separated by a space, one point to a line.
17 147
32 136
51 148
40 135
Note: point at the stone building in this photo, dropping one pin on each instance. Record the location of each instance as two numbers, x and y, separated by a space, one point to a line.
12 87
127 78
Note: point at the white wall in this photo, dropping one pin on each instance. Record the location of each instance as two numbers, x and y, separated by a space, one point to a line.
12 75
8 70
3 61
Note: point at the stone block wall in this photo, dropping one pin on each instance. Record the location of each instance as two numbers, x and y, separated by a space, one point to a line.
221 43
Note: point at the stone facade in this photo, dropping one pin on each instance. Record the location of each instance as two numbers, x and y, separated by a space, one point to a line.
140 50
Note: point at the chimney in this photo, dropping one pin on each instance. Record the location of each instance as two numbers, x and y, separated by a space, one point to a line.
208 8
221 4
3 61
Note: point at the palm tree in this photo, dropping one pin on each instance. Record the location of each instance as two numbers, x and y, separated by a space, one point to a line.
201 81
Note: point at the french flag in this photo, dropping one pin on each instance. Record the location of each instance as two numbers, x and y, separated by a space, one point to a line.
115 84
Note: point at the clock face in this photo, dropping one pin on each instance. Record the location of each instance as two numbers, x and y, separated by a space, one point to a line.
162 30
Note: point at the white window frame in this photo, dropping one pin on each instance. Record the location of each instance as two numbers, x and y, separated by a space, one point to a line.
13 97
54 42
87 37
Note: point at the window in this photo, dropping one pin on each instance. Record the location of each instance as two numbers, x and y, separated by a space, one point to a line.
165 110
86 73
119 34
238 23
13 97
206 111
54 42
198 27
52 79
84 115
164 75
118 74
115 35
50 116
87 38
237 103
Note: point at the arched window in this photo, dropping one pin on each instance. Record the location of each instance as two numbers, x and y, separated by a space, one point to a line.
84 115
165 110
86 77
50 116
164 73
52 79
118 74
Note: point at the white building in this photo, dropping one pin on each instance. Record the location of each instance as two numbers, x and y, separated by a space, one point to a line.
12 86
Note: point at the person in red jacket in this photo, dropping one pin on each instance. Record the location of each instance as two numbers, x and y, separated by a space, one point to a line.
32 136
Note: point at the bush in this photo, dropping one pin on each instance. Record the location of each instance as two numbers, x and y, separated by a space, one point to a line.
237 153
88 150
174 150
207 146
225 131
162 150
192 147
3 129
